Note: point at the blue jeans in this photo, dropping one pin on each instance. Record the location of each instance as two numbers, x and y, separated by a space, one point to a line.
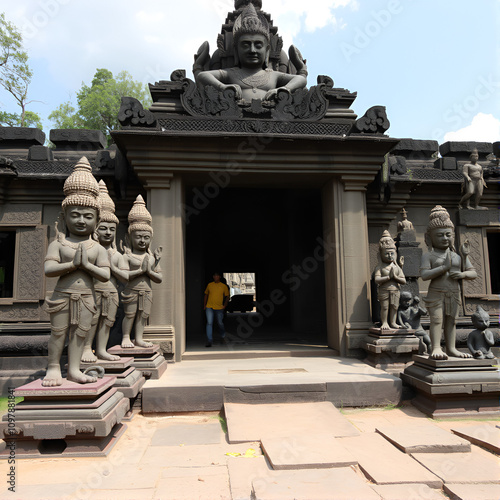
219 316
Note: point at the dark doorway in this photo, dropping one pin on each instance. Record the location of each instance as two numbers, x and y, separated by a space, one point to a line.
274 233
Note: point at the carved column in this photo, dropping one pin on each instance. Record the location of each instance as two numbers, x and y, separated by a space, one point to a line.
165 201
347 267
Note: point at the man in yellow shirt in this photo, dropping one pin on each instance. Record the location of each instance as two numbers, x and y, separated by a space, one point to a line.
215 302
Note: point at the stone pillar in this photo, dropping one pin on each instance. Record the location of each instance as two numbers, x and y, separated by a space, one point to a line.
347 267
165 201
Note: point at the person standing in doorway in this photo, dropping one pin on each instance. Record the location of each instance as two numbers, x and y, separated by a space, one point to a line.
215 302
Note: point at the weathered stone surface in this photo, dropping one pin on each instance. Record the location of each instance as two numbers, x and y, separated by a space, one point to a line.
475 491
479 218
35 388
415 149
188 434
412 257
242 472
446 163
407 491
383 463
203 398
477 466
79 139
20 137
306 451
462 149
40 153
341 484
423 438
254 422
485 435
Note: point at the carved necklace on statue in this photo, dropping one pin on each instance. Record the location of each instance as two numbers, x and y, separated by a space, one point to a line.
254 81
88 243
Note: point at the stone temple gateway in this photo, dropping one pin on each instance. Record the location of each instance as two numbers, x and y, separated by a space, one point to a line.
293 186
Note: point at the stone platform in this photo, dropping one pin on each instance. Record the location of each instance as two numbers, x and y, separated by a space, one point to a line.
455 387
67 420
148 360
207 385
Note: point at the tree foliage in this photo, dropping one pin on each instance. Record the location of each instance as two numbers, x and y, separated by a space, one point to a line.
99 103
15 74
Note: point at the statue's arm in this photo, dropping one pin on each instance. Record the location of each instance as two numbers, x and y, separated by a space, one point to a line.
291 82
53 267
155 275
488 337
469 273
101 269
427 272
378 278
465 173
399 276
119 268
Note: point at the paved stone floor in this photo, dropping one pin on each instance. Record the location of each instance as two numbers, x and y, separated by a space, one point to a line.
189 456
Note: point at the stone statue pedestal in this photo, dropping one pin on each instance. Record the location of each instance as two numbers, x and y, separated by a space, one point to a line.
147 360
455 387
390 350
129 380
68 420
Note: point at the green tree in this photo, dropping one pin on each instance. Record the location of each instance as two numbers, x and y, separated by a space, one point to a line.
99 103
15 74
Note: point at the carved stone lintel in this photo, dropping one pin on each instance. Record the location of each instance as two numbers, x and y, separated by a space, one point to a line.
303 104
374 121
132 114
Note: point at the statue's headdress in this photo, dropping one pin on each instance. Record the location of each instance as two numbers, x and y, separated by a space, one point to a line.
386 241
106 204
81 188
139 219
250 22
439 218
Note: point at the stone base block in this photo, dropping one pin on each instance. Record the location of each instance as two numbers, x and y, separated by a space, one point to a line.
63 448
148 360
455 387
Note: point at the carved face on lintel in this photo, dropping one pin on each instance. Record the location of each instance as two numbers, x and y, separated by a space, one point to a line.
252 51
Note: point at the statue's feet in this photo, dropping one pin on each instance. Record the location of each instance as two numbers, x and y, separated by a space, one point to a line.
107 357
127 343
53 377
438 354
394 326
458 354
143 343
489 355
385 326
81 378
88 356
479 355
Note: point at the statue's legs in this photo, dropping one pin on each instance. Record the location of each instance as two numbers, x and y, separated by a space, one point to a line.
140 324
384 313
450 337
88 356
53 376
393 317
435 331
75 351
102 342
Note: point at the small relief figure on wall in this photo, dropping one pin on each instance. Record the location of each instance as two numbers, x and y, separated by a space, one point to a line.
481 340
473 183
444 268
77 260
142 266
409 313
388 277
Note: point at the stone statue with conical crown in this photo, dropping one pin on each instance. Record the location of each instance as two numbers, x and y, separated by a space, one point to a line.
76 260
252 77
142 266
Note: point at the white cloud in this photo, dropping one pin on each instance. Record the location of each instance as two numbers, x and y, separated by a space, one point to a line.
483 128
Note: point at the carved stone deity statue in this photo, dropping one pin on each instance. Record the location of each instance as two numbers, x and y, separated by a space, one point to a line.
473 183
409 313
142 266
444 268
251 78
481 339
405 224
106 293
388 277
76 259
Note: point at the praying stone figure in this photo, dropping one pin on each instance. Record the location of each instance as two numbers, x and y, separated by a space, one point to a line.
77 260
142 267
388 277
409 313
405 224
444 268
473 183
106 293
252 78
481 339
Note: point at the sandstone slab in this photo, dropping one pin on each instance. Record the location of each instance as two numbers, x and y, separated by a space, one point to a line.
423 438
317 451
485 435
383 463
472 491
254 422
474 467
408 492
187 434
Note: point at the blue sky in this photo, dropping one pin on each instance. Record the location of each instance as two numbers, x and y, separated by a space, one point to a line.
433 63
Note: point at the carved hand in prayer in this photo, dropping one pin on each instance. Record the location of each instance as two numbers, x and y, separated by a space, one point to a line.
77 259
